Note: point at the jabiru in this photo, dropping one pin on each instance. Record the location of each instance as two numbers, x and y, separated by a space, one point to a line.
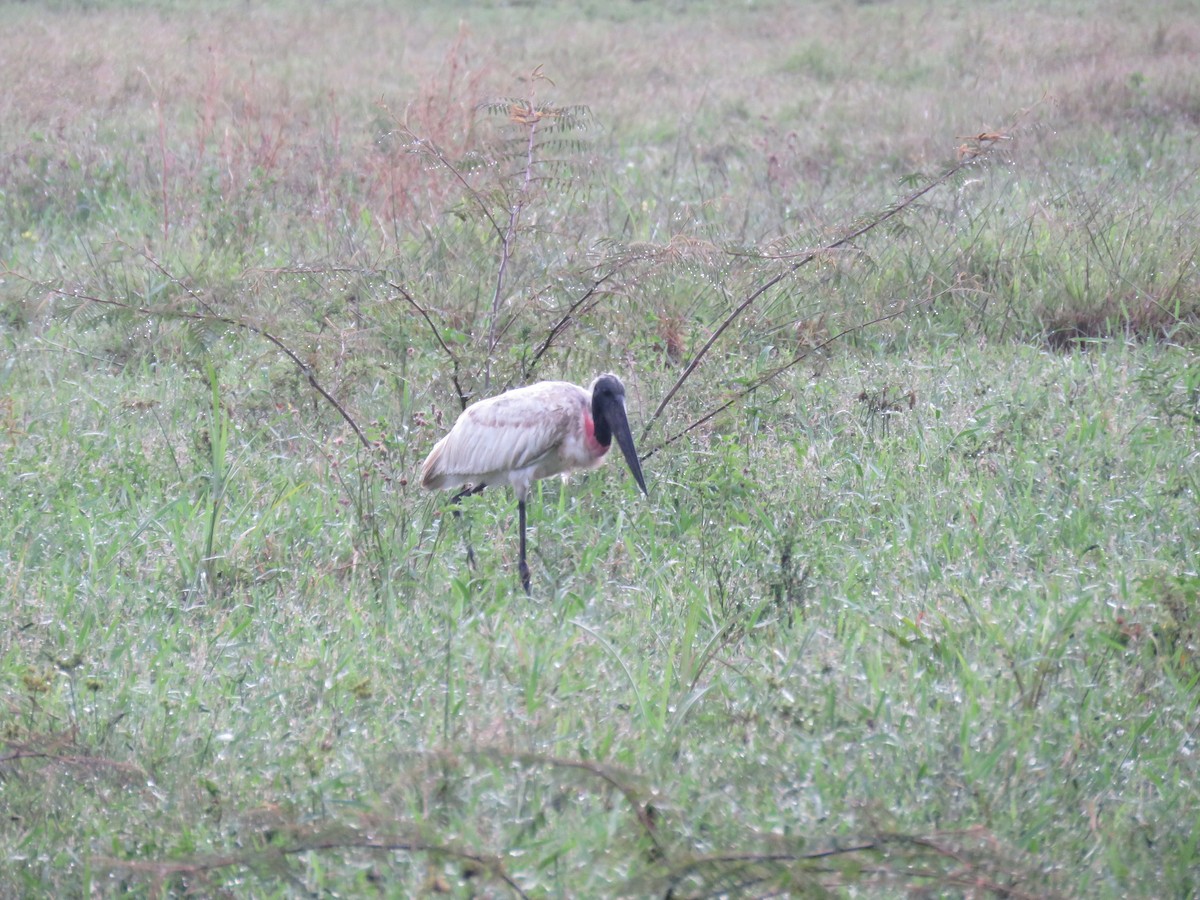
515 438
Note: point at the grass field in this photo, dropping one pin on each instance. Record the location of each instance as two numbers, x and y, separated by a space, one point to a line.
906 299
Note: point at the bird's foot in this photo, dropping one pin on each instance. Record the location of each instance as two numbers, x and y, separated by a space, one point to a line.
524 569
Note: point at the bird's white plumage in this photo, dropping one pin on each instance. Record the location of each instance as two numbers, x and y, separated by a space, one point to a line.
516 438
549 428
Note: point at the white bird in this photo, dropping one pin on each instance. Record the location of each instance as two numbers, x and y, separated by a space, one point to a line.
548 428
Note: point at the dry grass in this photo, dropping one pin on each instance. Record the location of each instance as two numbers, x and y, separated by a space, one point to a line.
789 93
1139 318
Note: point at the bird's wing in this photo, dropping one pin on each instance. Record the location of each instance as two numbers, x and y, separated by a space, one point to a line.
503 434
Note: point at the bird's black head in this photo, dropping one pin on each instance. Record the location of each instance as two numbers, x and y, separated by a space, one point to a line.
608 413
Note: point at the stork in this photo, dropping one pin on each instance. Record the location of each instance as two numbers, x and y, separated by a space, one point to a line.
548 428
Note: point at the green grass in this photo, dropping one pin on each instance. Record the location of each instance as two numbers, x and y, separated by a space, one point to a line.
918 615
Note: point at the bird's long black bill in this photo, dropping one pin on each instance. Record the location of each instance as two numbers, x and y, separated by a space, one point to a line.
620 429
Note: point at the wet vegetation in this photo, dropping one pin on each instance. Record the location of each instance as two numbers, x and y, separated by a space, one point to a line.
905 299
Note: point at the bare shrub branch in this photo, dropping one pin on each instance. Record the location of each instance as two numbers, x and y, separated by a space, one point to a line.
209 316
979 150
970 860
437 334
780 369
563 323
305 841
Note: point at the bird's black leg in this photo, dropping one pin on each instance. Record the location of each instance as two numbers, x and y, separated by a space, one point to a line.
524 566
466 492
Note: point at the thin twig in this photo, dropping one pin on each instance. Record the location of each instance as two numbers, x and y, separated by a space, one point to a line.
462 395
610 775
848 238
561 325
433 149
339 840
213 315
90 762
780 369
643 811
969 873
210 316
